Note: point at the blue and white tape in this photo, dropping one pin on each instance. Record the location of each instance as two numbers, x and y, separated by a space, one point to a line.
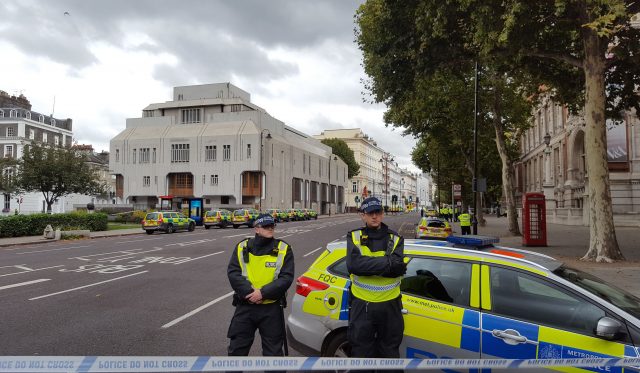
224 363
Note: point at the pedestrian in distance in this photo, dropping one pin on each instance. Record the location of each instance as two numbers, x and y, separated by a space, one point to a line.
260 271
375 261
465 223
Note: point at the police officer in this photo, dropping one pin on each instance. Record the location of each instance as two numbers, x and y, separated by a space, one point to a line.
260 271
375 260
465 223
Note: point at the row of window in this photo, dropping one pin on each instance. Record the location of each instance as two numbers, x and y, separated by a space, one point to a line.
14 114
11 132
180 153
213 180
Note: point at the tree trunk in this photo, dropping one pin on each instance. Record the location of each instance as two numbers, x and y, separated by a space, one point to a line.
507 176
603 245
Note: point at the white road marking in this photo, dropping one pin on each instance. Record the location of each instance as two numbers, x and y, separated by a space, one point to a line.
238 235
44 251
200 257
187 315
30 270
311 252
188 243
123 252
144 239
87 286
286 236
24 283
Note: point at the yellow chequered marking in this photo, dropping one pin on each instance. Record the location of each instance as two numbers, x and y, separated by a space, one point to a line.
485 286
475 286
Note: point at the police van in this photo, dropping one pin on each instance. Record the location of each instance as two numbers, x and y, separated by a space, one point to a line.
467 297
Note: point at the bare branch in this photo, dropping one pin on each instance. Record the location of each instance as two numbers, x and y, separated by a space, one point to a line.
558 57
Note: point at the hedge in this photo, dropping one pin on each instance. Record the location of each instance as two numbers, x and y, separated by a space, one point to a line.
34 224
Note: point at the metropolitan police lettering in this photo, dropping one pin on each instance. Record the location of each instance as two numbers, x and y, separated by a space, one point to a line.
270 264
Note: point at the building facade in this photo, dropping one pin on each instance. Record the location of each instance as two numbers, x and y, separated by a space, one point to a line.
19 126
211 143
379 175
553 163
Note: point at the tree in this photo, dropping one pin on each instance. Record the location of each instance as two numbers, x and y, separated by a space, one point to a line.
420 63
56 172
341 149
587 51
7 174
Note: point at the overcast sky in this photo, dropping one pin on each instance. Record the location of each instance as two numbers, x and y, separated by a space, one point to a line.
104 61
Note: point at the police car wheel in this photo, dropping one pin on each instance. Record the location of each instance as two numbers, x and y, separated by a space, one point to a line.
170 229
192 227
207 226
338 346
235 226
149 231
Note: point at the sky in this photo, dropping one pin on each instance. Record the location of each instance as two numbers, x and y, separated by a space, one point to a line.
100 62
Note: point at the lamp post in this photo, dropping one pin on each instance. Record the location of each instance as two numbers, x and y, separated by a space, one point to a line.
386 158
547 159
264 130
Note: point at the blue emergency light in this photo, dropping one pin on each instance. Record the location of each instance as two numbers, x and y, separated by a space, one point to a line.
473 240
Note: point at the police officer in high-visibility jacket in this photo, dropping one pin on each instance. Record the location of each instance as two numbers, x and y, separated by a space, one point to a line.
465 223
260 271
375 260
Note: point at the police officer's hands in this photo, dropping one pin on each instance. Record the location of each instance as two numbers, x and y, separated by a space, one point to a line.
254 297
397 267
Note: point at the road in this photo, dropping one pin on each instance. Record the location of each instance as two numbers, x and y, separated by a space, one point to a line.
139 295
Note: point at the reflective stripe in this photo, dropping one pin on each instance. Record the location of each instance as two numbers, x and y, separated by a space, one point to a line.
241 247
374 287
282 251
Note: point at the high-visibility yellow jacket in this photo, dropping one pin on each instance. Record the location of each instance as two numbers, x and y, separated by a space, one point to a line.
261 269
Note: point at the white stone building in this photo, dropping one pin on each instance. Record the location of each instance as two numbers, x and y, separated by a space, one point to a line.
210 143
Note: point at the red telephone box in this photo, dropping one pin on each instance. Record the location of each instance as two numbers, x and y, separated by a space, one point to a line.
534 220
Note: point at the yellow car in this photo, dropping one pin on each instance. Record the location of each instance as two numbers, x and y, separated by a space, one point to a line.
433 228
167 221
217 218
431 212
470 299
244 217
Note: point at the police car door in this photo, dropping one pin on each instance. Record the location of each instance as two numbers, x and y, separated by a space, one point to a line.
440 321
526 316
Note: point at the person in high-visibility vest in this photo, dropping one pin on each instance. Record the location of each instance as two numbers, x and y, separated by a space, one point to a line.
465 223
260 271
375 261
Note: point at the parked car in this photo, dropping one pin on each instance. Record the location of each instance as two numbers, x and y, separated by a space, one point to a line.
311 214
433 228
293 214
278 215
469 298
167 221
244 217
217 218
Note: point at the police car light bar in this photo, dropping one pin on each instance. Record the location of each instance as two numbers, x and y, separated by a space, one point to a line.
473 240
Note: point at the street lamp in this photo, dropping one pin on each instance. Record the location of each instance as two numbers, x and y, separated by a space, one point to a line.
386 158
261 157
330 193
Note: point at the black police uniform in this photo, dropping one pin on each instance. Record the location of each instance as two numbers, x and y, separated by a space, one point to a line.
375 328
267 318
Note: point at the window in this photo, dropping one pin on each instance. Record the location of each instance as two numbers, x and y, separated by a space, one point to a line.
440 280
8 151
210 153
304 163
354 187
146 181
155 180
190 115
53 122
214 179
1 113
226 152
236 107
224 200
11 131
117 155
28 115
154 156
41 118
7 201
134 156
147 113
526 297
56 140
179 153
44 137
248 151
13 114
145 155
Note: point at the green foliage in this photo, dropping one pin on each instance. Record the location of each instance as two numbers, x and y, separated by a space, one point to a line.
7 167
56 172
341 149
34 225
130 217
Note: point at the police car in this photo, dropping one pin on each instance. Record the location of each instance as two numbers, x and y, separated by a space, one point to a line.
470 298
434 228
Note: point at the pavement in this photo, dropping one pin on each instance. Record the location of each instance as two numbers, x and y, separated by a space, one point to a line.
564 242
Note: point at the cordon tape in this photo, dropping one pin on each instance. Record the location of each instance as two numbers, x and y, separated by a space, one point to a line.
230 363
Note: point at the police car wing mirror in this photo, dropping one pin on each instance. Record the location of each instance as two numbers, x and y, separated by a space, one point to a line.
608 328
404 311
